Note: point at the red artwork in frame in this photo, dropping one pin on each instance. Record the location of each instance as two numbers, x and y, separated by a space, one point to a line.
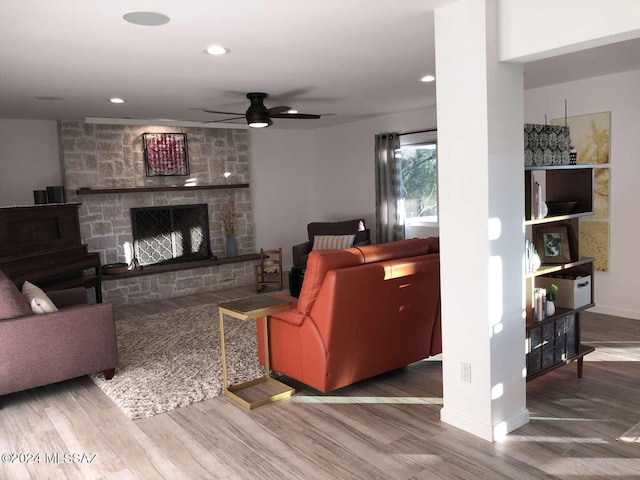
165 154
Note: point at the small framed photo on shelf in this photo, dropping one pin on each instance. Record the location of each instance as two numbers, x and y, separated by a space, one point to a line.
552 244
165 154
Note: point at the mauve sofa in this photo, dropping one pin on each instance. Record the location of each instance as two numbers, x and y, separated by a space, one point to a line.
362 311
40 349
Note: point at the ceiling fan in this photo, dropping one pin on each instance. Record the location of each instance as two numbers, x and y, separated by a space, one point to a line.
259 116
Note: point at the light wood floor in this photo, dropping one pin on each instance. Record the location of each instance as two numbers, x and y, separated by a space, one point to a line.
383 428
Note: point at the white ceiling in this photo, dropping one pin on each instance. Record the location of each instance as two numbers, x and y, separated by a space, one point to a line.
353 59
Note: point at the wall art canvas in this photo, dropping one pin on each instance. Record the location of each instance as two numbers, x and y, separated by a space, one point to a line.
165 154
601 190
594 242
590 136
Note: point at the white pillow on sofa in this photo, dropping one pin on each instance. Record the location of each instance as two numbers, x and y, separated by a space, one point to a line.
332 242
38 300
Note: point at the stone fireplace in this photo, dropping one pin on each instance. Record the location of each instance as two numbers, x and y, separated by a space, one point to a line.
108 160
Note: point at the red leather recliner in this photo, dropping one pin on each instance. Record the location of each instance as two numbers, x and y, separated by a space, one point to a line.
362 312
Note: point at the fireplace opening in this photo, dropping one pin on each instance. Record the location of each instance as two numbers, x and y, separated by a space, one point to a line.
170 234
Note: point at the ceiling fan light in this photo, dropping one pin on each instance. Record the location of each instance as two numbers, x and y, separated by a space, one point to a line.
257 114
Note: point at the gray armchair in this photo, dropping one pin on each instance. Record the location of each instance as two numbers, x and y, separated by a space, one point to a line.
348 227
40 349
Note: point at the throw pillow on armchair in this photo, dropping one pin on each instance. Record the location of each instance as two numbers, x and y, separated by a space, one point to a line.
357 228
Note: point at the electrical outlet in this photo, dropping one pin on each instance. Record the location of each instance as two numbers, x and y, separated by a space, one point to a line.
465 372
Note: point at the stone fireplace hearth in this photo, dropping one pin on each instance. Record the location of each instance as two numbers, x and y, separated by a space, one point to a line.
110 157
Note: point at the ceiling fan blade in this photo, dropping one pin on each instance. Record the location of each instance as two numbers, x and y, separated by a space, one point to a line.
277 110
302 116
222 113
225 120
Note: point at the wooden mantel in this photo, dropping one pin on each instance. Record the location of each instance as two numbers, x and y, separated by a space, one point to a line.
165 188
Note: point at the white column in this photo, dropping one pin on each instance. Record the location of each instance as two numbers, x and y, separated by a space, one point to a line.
481 212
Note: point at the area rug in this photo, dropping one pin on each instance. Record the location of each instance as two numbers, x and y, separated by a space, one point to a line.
631 436
171 360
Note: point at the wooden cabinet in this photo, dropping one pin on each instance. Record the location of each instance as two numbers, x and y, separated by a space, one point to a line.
567 191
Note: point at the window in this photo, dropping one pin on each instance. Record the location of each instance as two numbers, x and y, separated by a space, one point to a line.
419 170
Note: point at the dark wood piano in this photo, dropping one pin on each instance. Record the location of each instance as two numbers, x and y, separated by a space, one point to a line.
41 244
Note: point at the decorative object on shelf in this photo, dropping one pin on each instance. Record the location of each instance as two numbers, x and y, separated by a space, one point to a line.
573 155
40 197
546 145
532 259
540 304
230 247
50 195
561 208
56 194
165 154
228 215
552 243
114 268
551 297
544 209
536 207
574 291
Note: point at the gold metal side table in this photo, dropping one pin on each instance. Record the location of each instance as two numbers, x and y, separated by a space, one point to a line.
251 308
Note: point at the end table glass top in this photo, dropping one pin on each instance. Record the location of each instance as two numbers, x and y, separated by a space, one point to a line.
253 303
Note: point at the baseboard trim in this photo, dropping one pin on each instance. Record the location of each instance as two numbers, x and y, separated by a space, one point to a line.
616 312
491 433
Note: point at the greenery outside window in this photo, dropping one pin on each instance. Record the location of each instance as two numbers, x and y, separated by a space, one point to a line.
419 171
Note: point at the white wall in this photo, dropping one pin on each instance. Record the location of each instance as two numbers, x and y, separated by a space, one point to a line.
616 291
29 159
535 29
282 186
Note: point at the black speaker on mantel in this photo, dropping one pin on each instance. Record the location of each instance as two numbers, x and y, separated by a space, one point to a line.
55 194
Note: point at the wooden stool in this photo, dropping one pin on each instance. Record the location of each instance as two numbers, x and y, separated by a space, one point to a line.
269 270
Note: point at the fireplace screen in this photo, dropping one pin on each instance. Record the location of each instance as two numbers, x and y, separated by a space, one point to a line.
170 234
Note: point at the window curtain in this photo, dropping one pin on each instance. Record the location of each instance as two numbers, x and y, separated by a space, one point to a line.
389 203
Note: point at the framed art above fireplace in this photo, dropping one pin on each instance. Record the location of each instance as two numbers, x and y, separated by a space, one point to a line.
165 154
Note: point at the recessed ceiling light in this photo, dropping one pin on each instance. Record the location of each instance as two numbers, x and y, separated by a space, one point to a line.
428 78
148 19
291 111
50 99
117 100
216 50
